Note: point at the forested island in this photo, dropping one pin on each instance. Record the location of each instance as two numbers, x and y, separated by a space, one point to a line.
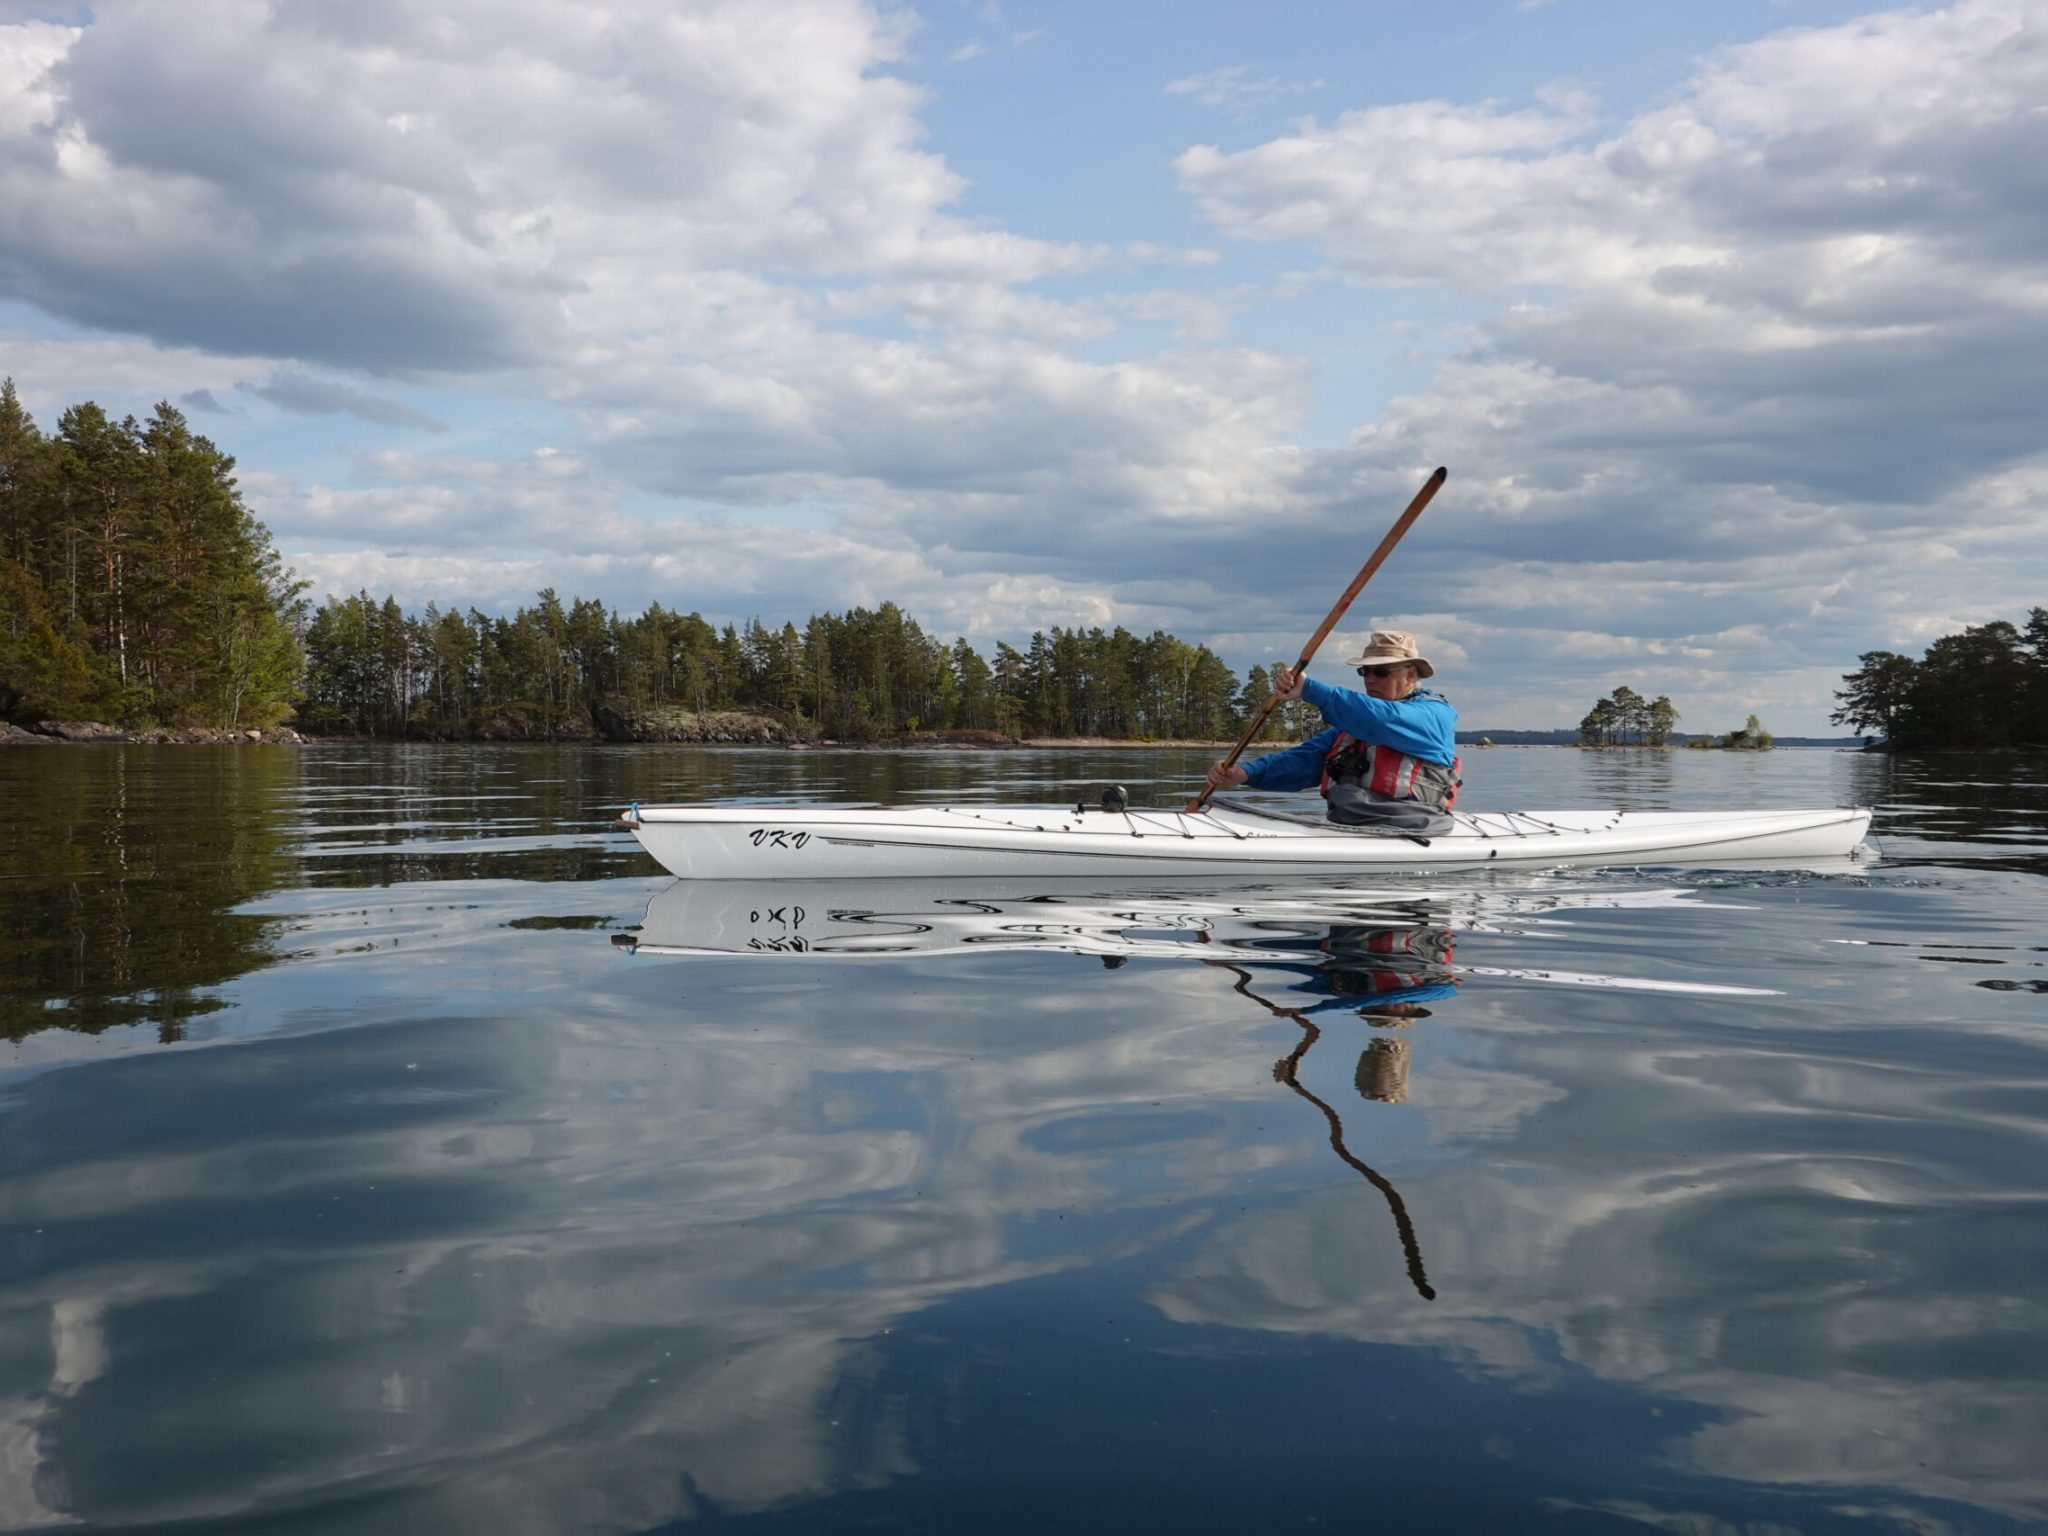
1986 687
1625 718
137 589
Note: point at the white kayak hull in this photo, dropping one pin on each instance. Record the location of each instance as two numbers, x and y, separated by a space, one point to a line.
909 842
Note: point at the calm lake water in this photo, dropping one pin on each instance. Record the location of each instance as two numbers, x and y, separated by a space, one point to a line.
372 1160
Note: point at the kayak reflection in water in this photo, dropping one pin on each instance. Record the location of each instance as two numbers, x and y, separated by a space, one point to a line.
1386 976
1389 760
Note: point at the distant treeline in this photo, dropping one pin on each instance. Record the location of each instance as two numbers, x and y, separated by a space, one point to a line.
1678 738
135 588
1986 687
134 585
1558 738
556 668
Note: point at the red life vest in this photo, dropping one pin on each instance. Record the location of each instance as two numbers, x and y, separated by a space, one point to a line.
1394 775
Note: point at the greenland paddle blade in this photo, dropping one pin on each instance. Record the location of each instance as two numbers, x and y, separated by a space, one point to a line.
1401 525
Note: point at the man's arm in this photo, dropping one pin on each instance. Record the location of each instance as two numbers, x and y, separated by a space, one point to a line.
1424 728
1296 768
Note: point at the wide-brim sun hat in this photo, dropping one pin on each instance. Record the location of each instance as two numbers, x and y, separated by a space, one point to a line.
1384 647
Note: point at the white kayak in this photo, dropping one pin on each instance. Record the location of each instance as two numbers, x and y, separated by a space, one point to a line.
756 842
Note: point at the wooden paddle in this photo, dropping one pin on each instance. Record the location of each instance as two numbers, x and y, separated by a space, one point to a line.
1401 525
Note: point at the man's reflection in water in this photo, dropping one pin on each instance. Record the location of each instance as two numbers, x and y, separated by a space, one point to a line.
1386 976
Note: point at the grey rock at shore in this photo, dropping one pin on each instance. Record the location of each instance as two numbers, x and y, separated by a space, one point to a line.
81 730
714 727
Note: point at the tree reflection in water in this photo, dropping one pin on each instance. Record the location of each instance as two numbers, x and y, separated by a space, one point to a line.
128 868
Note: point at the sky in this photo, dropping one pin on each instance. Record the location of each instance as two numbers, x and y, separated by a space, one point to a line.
1725 315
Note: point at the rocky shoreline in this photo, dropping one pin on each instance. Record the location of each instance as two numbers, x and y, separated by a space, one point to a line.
672 728
708 728
714 728
51 733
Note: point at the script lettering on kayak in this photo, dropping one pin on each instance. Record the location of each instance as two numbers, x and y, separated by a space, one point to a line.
777 837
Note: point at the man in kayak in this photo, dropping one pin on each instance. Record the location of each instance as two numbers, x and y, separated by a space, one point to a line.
1389 760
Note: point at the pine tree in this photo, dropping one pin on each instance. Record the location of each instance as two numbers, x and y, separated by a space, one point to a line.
974 688
1878 691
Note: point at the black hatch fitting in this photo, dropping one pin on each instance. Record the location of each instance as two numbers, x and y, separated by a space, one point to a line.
1113 800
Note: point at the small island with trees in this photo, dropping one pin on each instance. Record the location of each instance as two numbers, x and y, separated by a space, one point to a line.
1626 719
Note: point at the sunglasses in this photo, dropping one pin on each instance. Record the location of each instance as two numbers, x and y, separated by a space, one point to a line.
1386 671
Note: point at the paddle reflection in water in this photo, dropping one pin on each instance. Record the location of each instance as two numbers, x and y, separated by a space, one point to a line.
1383 1065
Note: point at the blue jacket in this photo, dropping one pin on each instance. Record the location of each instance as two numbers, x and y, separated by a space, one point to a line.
1424 992
1422 725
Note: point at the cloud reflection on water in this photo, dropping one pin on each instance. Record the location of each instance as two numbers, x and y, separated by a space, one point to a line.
502 1229
1852 1312
485 1265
